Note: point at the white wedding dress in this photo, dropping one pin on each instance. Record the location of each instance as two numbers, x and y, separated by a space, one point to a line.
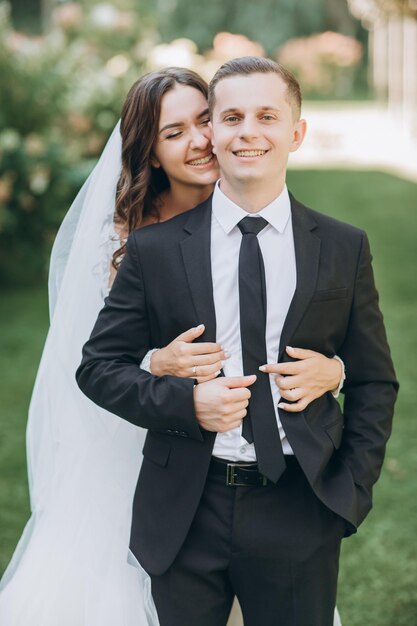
71 567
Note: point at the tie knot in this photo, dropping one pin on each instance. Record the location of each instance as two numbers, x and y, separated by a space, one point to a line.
252 225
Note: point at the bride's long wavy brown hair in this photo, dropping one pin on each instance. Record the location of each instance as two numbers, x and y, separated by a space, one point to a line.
140 184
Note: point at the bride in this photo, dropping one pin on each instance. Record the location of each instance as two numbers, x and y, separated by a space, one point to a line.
71 564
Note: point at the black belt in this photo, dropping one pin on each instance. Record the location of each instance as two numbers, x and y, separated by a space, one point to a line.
238 474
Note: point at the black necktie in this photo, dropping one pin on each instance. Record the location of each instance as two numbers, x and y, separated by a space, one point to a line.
260 424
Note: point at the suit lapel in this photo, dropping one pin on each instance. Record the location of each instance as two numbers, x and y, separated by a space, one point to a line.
196 254
197 261
307 255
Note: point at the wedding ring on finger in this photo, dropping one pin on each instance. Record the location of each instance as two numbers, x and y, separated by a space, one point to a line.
195 371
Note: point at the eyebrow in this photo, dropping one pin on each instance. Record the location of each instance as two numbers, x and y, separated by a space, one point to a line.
263 108
178 124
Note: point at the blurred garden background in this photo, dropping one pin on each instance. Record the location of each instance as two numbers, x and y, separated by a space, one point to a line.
65 68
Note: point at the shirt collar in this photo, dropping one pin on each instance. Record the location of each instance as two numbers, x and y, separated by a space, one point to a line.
228 213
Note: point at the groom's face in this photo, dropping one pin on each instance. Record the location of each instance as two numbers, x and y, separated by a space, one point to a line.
255 127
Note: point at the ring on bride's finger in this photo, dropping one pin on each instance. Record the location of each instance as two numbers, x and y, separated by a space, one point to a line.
195 370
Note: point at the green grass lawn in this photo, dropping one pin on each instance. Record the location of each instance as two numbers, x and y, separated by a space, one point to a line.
379 565
23 326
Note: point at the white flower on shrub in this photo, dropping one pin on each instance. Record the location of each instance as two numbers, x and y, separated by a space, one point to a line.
104 83
24 46
68 16
34 145
104 16
39 180
118 65
181 52
9 139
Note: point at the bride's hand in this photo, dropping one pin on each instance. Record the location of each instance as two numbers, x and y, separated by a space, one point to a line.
182 358
306 379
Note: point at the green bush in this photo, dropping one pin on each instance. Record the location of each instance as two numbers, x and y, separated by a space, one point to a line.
61 95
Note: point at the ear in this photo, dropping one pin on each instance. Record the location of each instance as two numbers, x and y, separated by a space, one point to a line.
213 148
300 129
154 162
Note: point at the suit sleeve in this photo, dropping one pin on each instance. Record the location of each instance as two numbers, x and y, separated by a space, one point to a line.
371 386
110 374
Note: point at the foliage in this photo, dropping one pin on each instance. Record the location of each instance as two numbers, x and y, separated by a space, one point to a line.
65 89
63 96
270 22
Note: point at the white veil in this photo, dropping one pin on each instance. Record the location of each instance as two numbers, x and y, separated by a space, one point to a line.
70 566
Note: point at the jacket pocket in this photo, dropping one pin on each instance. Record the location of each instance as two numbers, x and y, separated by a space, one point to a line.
335 432
330 294
156 450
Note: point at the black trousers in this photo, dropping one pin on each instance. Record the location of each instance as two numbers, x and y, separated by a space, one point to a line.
275 547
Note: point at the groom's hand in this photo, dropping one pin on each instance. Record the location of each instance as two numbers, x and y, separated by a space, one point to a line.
220 404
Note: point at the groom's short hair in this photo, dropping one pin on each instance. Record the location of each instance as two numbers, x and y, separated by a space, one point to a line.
245 66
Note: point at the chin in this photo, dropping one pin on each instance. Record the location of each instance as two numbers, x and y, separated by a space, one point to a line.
248 176
207 178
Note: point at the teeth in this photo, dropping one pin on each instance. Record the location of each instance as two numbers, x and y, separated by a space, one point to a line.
202 161
250 153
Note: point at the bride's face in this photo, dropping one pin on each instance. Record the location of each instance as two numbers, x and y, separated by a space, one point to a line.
183 144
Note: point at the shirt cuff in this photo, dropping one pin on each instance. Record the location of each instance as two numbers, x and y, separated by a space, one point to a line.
146 361
336 392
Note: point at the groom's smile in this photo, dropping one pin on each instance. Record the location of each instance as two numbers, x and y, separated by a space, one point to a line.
247 154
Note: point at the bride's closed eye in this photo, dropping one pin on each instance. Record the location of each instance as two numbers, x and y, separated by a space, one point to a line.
174 135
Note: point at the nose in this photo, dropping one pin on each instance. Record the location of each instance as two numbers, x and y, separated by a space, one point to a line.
249 129
199 140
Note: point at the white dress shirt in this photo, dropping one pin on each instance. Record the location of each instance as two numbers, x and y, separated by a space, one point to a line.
277 245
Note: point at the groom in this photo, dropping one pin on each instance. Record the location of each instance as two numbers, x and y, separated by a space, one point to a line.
236 496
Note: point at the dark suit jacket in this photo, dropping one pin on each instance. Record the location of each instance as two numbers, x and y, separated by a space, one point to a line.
163 287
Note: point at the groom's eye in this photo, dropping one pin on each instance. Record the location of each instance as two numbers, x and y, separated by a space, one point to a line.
231 118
